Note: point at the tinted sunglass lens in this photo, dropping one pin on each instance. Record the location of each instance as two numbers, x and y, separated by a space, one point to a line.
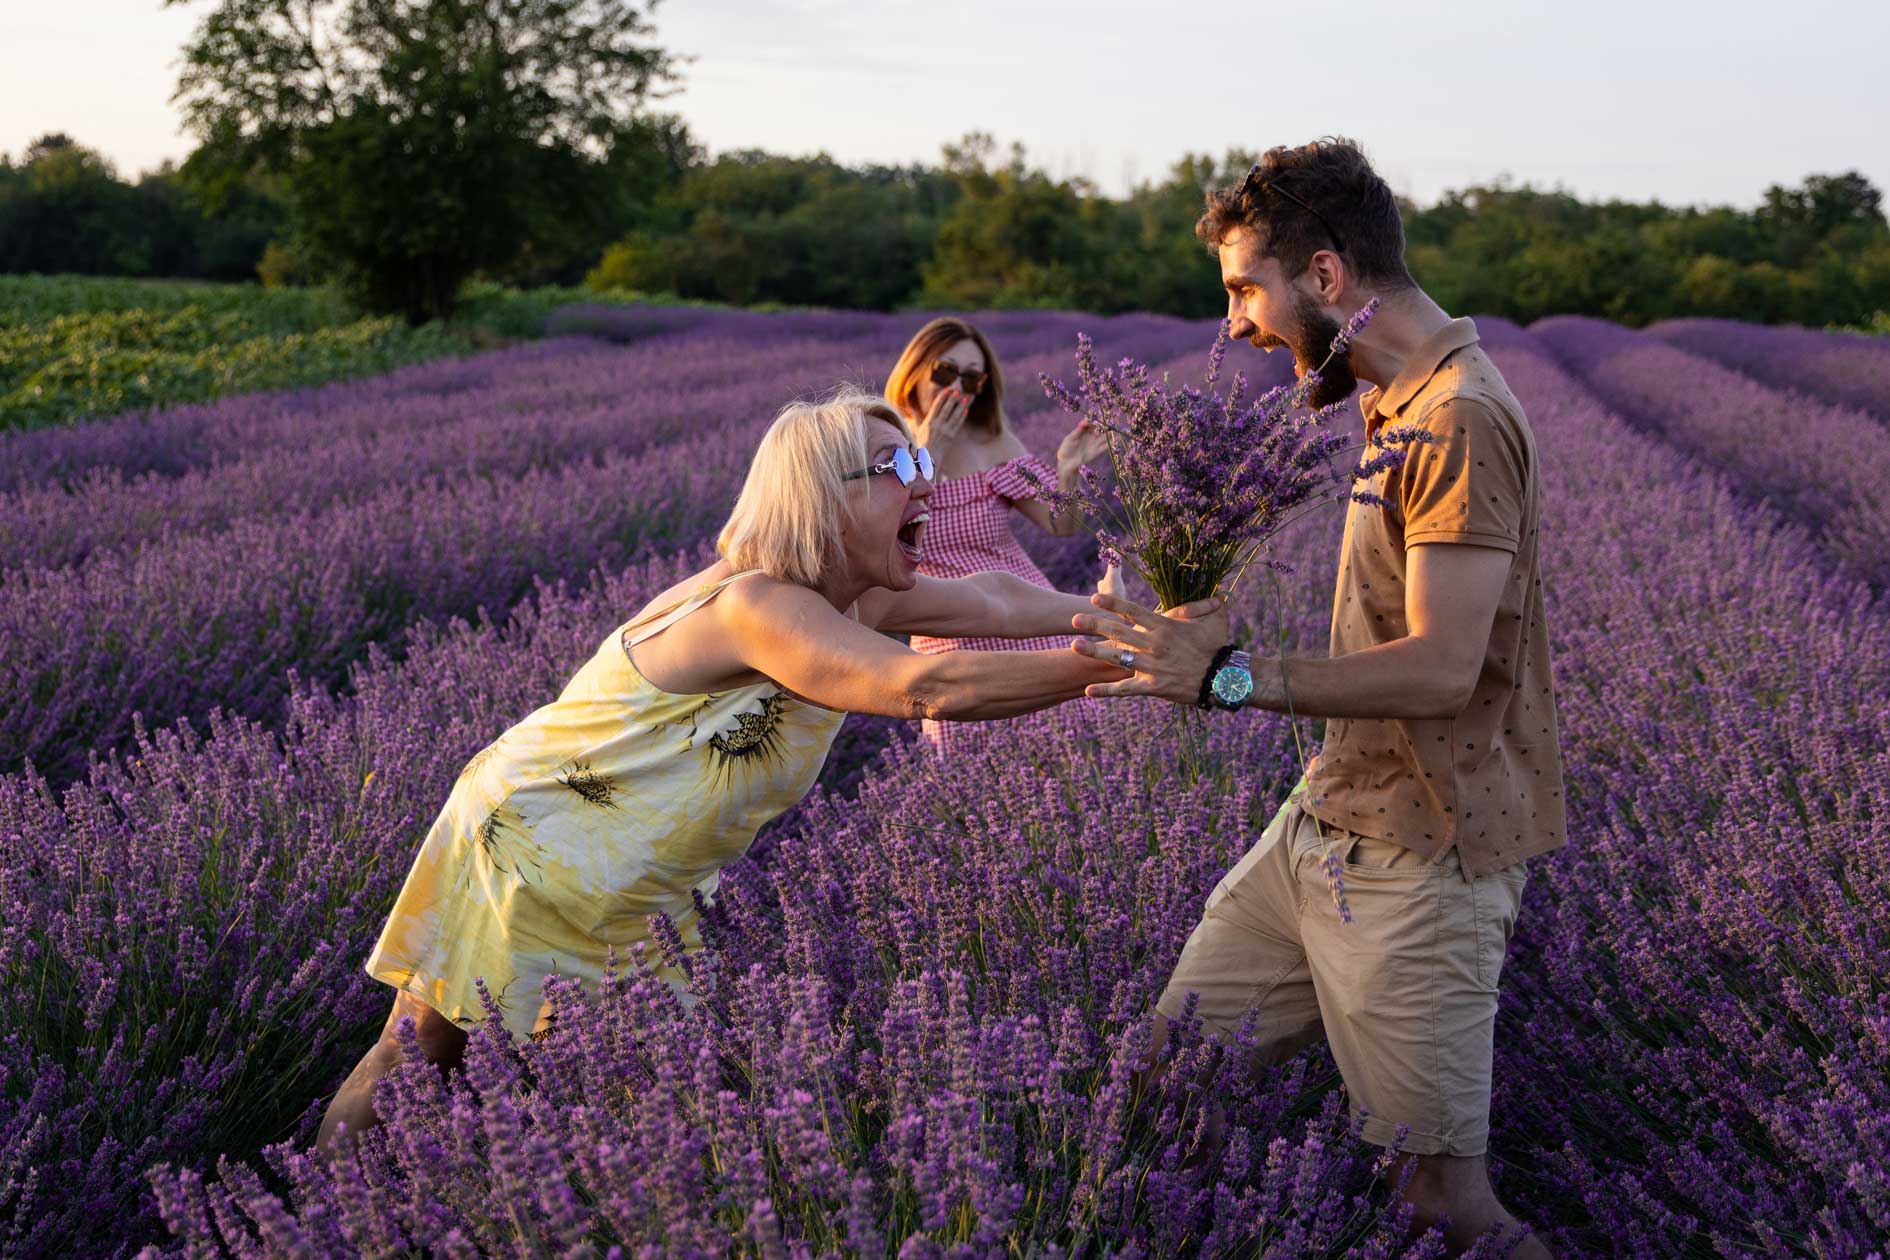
925 463
945 374
903 467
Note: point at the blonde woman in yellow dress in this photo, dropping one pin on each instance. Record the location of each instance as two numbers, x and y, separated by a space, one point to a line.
705 715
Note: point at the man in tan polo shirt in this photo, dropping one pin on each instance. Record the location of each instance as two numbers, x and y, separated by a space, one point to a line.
1441 773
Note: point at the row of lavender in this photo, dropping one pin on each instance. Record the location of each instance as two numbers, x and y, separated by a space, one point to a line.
1695 1047
534 407
1695 1039
1848 369
180 438
1821 463
303 529
686 346
1698 1052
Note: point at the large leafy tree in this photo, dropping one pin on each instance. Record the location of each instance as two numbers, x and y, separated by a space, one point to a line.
422 140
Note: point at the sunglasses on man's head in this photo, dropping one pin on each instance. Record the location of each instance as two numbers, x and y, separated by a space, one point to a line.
943 374
1253 185
903 465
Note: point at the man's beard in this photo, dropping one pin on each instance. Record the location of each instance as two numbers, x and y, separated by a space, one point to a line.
1310 340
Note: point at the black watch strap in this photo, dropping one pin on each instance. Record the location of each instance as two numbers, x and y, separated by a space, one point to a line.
1206 700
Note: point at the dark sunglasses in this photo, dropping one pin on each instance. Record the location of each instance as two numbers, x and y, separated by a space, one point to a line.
944 374
903 465
1252 185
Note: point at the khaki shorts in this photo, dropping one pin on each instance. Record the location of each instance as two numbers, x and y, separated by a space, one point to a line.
1405 994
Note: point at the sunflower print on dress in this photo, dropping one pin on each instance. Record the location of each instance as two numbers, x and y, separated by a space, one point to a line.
755 736
501 1002
479 758
505 839
594 787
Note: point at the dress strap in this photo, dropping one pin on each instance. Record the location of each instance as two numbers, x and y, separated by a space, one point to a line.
663 618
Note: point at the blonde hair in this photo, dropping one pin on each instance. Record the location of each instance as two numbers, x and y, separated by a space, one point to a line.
915 364
787 521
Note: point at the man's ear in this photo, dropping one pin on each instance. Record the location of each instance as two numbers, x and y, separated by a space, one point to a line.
1328 276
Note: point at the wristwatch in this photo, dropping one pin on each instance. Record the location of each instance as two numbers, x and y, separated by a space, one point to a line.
1229 680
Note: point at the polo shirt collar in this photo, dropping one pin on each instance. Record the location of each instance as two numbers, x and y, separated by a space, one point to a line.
1384 404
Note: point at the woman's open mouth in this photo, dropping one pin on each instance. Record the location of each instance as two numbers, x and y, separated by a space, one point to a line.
911 534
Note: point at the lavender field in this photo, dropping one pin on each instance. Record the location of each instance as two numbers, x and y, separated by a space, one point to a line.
248 645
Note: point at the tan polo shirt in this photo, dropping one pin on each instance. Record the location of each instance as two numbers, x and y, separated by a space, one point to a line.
1489 780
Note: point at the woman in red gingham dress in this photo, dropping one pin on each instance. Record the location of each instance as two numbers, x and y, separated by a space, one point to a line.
949 385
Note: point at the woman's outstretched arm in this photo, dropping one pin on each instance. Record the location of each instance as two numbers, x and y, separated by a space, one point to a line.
993 604
793 636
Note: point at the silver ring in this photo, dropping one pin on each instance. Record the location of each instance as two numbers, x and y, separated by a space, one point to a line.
1128 659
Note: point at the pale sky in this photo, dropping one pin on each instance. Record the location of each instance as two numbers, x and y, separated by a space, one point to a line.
1687 101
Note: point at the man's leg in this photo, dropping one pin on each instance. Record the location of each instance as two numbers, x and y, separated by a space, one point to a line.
1457 1188
1408 992
1244 955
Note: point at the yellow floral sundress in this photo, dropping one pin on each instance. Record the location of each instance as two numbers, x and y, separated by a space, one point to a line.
563 836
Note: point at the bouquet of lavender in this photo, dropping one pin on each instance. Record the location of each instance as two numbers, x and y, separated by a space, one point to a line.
1203 480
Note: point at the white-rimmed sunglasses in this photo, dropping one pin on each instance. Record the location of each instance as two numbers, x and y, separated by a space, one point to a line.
904 465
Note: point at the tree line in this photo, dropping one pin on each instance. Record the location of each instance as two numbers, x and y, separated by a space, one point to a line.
399 151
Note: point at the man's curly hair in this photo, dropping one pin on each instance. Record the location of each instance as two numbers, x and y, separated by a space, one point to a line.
1330 175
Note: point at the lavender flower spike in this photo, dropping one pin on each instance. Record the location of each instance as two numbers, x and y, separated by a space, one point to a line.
1342 344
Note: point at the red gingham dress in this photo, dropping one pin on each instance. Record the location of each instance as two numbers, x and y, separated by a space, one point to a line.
969 531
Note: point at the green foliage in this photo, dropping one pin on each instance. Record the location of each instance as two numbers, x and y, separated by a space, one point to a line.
31 299
1877 325
425 140
403 199
64 209
752 228
1018 238
984 231
1812 255
60 366
75 347
493 310
282 266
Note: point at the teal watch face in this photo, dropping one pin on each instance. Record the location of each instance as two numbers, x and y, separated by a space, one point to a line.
1232 685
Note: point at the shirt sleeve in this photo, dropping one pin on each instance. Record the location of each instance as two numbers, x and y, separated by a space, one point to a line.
1025 477
1466 484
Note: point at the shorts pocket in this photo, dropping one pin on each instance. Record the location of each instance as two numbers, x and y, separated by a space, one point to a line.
1495 901
1369 857
1247 868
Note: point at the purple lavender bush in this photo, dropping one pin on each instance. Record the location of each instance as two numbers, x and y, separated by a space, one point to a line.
182 932
1841 368
227 620
721 347
1693 1055
911 1040
189 620
179 438
1820 464
917 1001
199 995
521 417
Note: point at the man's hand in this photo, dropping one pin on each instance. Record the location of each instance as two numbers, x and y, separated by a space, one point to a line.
1170 652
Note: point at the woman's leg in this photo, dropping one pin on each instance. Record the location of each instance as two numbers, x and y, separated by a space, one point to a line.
352 1111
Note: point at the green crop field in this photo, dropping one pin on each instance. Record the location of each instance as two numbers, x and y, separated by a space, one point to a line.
75 348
